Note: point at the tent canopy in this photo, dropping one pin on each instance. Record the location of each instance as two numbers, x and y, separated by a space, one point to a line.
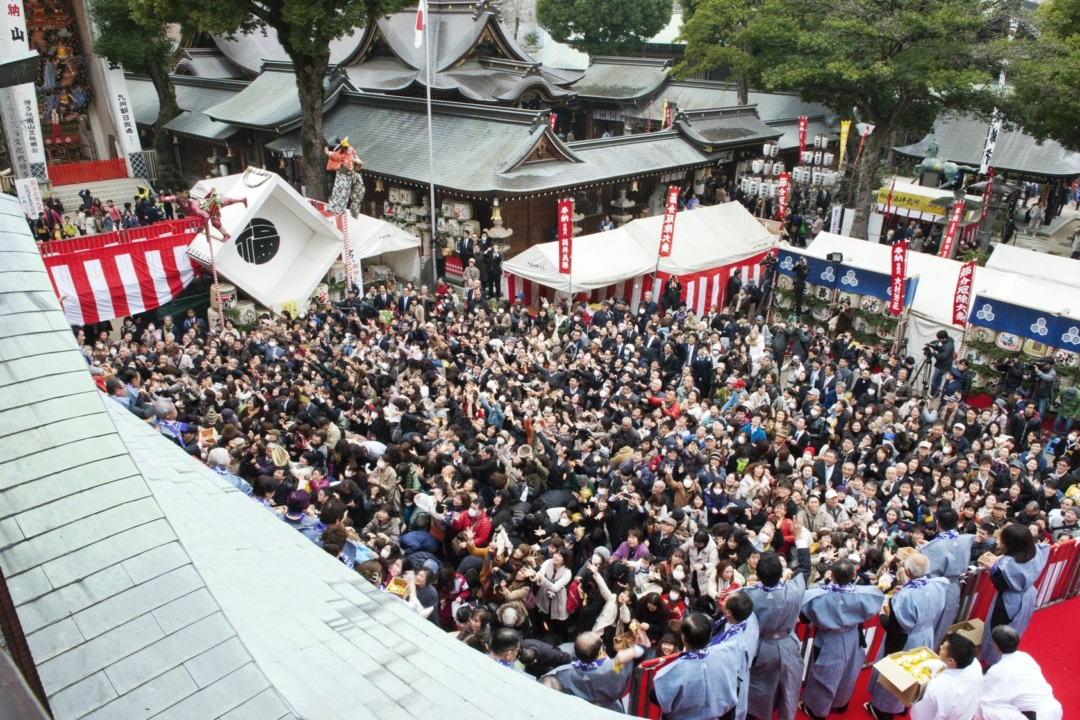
371 237
1042 266
705 238
931 309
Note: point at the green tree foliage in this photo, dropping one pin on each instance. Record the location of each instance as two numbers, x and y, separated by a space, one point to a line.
305 29
723 35
141 46
897 63
603 27
1044 75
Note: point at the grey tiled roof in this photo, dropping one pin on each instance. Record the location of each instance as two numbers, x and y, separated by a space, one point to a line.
618 78
329 642
250 51
961 139
193 95
387 134
714 127
814 126
117 618
207 63
704 95
270 102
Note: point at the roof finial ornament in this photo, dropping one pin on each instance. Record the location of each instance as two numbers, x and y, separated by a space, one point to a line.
492 6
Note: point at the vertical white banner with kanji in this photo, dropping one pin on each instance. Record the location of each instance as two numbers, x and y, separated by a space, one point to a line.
18 104
667 233
127 134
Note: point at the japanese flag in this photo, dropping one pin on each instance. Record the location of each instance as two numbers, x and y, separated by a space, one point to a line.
421 19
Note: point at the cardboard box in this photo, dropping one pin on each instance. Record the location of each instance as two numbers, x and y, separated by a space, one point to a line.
894 678
972 630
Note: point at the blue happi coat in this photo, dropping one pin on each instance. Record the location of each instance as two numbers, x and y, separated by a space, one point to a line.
776 674
837 615
745 637
598 683
915 609
1018 599
950 556
700 685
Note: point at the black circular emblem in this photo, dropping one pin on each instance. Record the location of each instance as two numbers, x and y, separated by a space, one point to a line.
259 242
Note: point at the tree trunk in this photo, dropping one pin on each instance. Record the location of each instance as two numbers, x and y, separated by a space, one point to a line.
864 190
169 176
743 90
310 73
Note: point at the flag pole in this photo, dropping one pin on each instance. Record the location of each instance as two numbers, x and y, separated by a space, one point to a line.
431 143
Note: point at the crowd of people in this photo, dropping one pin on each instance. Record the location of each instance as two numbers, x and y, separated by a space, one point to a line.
635 481
92 217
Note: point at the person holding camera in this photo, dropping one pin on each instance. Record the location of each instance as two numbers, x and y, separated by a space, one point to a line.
1044 384
942 351
802 270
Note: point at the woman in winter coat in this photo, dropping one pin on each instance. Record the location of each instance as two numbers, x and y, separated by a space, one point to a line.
552 579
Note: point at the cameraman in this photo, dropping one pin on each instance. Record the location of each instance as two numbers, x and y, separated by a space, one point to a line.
942 351
1012 375
1044 385
801 271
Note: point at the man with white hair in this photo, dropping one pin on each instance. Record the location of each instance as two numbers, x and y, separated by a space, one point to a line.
218 459
908 618
1014 687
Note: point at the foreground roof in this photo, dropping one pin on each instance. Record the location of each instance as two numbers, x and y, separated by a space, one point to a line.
961 139
118 619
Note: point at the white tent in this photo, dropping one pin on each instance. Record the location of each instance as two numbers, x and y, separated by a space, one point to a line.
280 248
707 240
373 241
931 309
1009 258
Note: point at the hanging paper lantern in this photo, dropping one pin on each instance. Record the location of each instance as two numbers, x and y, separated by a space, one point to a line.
756 165
827 158
773 187
778 168
817 157
808 157
745 184
752 188
815 177
801 174
829 178
768 149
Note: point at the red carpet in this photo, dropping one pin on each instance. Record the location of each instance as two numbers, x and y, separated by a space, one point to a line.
1048 639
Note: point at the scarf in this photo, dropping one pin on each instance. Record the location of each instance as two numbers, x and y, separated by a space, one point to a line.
505 663
916 583
842 589
730 633
767 588
695 654
585 667
948 535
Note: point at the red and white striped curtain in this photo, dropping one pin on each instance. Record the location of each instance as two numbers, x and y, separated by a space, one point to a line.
121 280
700 290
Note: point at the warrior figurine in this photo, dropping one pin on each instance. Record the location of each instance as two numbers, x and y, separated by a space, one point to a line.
348 189
211 206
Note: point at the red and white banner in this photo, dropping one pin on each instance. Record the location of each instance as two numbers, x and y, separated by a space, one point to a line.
121 279
783 191
986 194
552 117
667 232
950 232
899 271
667 115
888 200
802 135
566 235
962 297
862 141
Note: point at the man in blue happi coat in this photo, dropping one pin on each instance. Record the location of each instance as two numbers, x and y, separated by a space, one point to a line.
703 682
908 618
776 674
837 610
739 628
950 554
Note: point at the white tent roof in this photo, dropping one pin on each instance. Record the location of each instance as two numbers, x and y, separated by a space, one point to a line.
307 243
931 309
371 237
705 238
1043 266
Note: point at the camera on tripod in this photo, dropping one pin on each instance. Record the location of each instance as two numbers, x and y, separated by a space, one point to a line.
931 347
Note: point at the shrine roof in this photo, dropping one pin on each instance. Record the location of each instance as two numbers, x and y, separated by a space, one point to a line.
962 138
491 150
619 78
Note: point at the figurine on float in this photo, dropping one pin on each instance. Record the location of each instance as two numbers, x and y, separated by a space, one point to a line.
209 210
349 188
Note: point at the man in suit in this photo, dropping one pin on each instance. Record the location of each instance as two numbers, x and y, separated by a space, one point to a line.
702 370
405 302
474 297
826 470
383 299
467 250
